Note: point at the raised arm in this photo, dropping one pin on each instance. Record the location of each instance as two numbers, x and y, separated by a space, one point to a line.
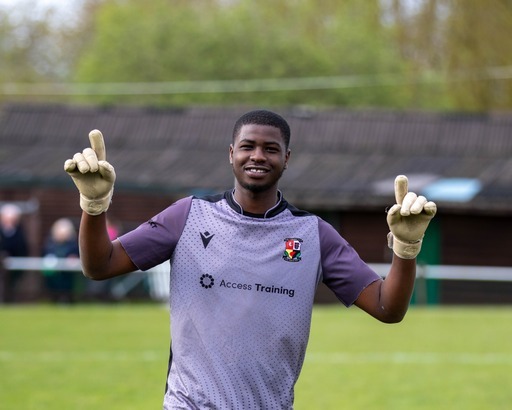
388 300
94 177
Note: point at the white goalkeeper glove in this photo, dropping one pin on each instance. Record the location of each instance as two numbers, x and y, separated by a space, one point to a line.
408 220
93 175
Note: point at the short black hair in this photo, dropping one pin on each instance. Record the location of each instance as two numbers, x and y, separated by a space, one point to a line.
264 117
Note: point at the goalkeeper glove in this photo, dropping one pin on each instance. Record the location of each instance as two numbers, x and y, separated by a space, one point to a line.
93 175
408 220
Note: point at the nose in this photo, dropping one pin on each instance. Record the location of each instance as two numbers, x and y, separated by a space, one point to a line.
258 155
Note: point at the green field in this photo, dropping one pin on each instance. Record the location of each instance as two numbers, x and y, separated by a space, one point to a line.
115 357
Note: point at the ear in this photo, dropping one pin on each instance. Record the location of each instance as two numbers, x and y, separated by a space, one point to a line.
231 153
287 157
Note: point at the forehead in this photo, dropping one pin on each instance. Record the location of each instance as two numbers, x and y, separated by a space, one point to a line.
257 132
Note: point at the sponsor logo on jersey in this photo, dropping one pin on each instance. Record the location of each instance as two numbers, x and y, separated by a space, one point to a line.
292 252
207 281
235 285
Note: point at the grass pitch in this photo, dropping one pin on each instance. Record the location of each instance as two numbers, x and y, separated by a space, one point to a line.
115 357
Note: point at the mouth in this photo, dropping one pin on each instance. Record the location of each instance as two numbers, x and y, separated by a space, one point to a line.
256 171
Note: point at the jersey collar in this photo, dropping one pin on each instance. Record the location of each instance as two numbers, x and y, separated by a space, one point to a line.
279 207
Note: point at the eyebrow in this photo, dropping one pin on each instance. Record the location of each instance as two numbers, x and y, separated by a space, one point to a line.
253 141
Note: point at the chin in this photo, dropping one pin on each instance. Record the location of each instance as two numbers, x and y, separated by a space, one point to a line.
256 189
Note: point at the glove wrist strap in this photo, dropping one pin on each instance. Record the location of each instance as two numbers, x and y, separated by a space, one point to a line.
404 249
95 206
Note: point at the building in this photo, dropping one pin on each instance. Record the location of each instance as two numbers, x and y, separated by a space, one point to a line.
342 167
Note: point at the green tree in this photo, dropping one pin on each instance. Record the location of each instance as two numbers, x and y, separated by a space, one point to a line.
479 55
464 44
22 44
38 46
426 54
244 40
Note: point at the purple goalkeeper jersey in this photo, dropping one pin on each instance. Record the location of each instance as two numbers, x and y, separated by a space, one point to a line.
241 296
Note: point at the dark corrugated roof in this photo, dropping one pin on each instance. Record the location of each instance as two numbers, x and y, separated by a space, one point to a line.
340 158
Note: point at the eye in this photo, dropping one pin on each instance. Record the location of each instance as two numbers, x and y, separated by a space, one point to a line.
273 150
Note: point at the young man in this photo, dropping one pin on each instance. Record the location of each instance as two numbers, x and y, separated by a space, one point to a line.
245 267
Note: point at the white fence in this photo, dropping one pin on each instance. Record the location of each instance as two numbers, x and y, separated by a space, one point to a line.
158 277
456 272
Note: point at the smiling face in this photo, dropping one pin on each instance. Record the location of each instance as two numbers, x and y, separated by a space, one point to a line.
258 156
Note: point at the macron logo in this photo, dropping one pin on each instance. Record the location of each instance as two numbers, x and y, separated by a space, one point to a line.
206 237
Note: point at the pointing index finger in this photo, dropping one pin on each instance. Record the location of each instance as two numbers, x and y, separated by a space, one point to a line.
98 145
401 188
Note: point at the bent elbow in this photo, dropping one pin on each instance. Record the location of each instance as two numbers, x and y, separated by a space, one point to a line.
392 317
393 320
96 276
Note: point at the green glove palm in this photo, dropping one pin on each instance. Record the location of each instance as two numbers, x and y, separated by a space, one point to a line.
93 175
408 220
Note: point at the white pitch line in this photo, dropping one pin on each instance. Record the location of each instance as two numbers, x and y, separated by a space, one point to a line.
410 358
426 358
56 356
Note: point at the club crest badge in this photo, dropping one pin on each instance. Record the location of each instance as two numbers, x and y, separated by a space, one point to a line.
292 251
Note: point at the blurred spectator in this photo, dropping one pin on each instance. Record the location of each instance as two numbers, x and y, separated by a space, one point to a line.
12 243
61 243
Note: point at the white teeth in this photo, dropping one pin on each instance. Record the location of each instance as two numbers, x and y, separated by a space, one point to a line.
256 170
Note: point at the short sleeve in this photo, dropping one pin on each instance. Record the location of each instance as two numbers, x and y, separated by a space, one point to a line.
154 241
343 271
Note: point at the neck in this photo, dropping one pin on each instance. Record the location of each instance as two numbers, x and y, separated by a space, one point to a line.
256 202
